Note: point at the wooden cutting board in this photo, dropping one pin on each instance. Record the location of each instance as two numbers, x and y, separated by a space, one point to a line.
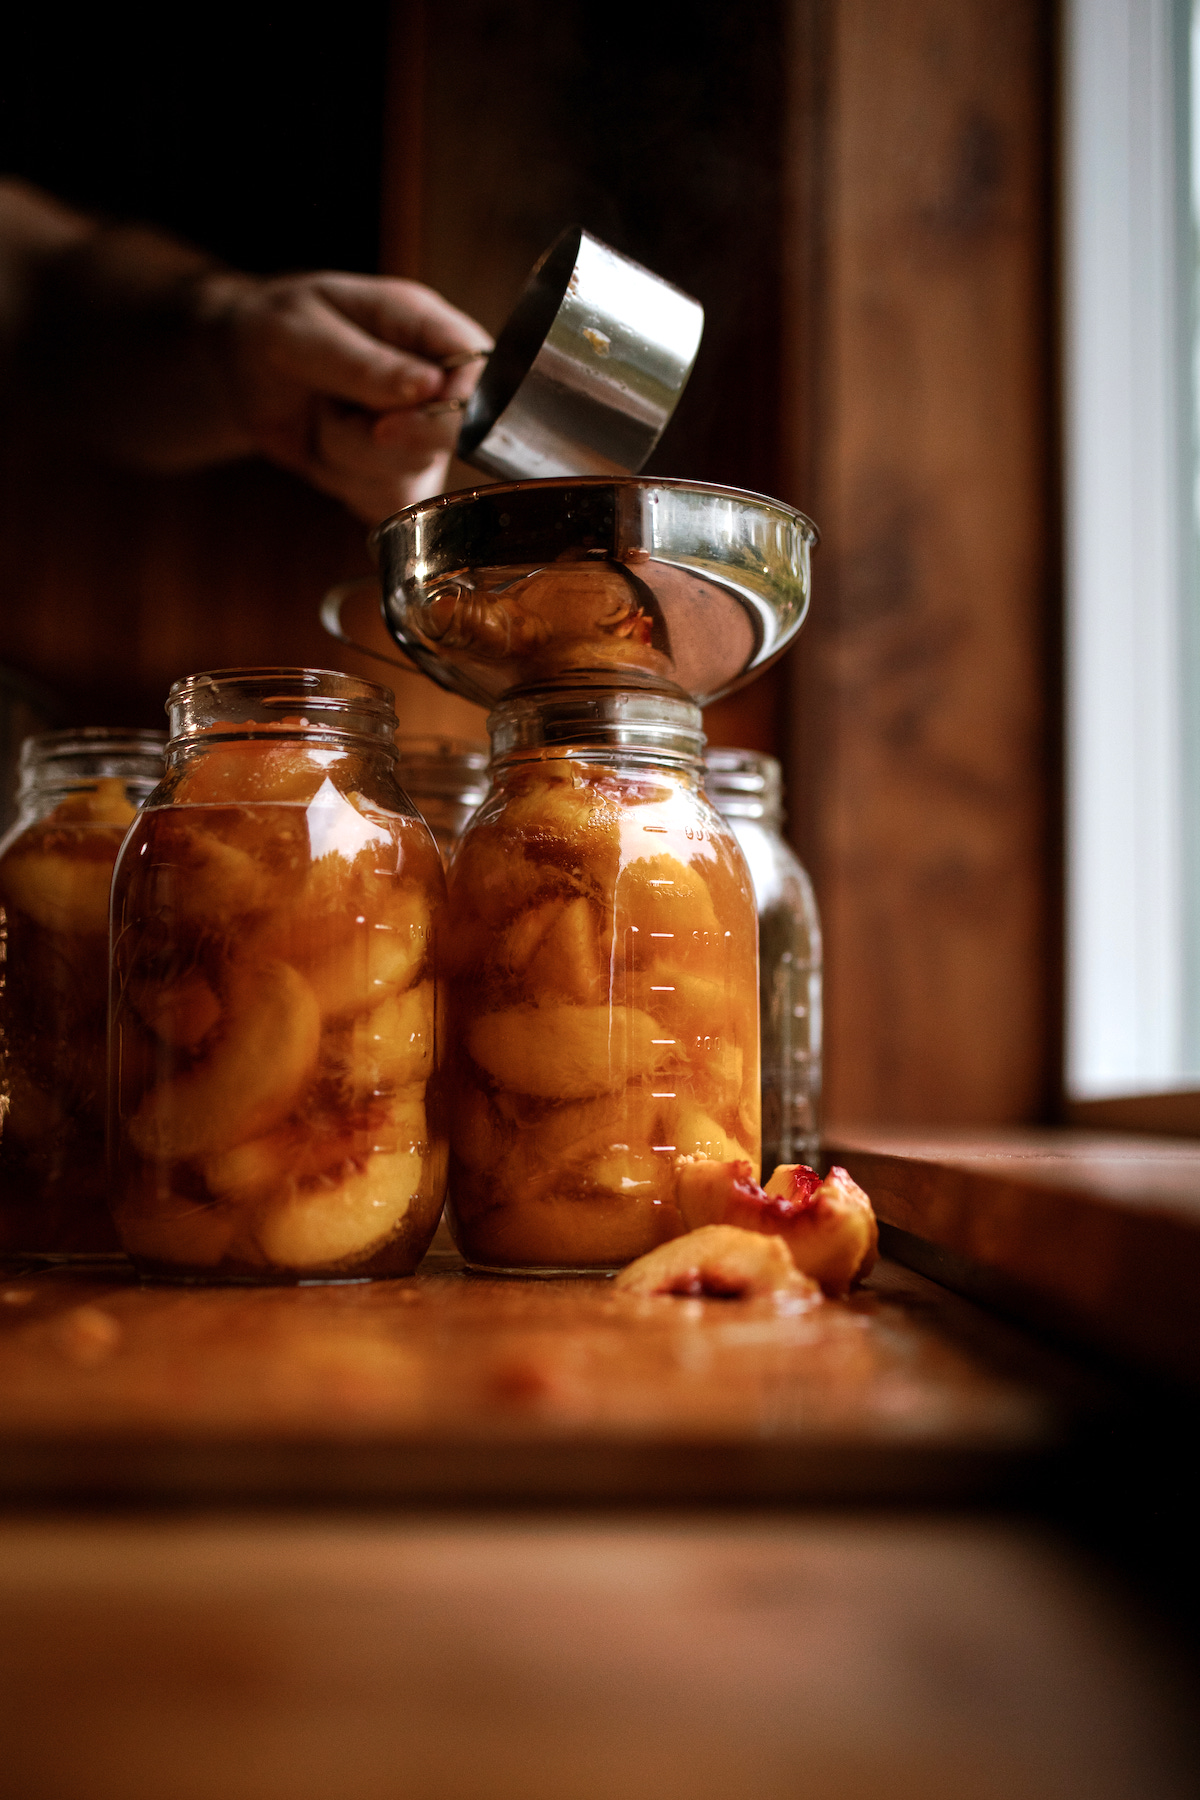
449 1385
1091 1235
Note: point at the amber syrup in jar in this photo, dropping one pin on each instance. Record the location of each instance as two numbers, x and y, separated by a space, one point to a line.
276 1104
603 990
78 793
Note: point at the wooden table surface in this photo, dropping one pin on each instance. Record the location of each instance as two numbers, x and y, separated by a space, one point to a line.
218 1629
451 1385
519 1657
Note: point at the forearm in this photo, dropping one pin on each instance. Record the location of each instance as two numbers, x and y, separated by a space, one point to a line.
117 337
141 349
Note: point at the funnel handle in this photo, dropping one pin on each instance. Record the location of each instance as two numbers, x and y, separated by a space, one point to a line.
331 619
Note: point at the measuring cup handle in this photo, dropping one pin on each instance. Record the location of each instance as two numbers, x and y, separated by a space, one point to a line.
331 619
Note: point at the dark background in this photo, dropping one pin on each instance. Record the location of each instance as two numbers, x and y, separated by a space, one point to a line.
259 134
256 132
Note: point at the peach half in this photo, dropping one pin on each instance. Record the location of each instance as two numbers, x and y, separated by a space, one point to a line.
828 1225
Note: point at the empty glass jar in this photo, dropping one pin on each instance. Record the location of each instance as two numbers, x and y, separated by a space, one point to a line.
604 984
276 1104
447 778
747 788
78 793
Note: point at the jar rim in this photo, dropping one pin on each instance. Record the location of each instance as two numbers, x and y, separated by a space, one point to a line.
344 705
442 768
470 753
89 740
312 680
558 720
744 784
74 759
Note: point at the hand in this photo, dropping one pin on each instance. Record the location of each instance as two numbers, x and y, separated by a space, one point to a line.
342 379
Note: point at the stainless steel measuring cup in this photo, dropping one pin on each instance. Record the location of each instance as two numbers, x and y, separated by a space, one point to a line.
586 372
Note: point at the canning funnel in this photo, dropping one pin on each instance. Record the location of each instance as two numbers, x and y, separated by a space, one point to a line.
672 586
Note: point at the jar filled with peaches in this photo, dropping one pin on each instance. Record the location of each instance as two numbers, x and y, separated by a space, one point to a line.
78 794
603 985
276 1102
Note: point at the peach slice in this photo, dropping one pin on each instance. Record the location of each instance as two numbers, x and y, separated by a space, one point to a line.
496 876
480 1139
708 1192
687 1003
394 1045
356 974
568 962
568 819
526 934
60 893
254 769
828 1225
281 1157
181 1014
698 1134
353 934
719 1262
339 1218
628 1170
670 905
297 1154
107 803
610 1159
250 1078
626 1118
574 599
560 802
565 1052
599 1231
201 879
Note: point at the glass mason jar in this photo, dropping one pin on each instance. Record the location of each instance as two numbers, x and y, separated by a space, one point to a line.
77 795
276 1108
447 777
603 985
748 790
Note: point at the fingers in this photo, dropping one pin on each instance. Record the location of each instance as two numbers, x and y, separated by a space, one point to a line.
300 339
358 383
374 342
376 477
400 442
405 314
444 412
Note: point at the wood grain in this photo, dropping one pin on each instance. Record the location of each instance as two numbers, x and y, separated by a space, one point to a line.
115 584
1092 1234
296 1658
456 1385
920 379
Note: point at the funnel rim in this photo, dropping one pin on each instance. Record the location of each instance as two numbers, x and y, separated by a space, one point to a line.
438 502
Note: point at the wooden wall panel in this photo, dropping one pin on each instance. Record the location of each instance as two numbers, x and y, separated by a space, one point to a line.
113 584
922 427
